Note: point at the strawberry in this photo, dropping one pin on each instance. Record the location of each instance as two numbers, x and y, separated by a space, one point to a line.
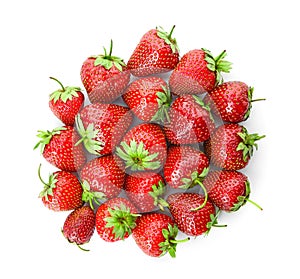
191 220
190 121
59 148
62 192
185 167
157 52
149 98
103 177
102 126
145 190
155 234
104 77
228 190
66 102
115 219
79 226
143 147
231 101
231 146
198 72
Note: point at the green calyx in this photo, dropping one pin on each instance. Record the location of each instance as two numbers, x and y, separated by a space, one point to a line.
250 100
88 136
205 106
89 196
121 220
157 193
136 157
65 93
170 243
214 222
48 186
243 199
164 100
46 136
107 60
217 64
167 37
248 143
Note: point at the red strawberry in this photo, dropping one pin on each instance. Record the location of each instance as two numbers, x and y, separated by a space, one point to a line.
231 147
102 126
143 147
104 77
157 52
190 220
59 148
149 98
231 101
145 190
79 226
115 219
102 177
66 102
155 234
197 72
228 190
190 121
185 167
62 192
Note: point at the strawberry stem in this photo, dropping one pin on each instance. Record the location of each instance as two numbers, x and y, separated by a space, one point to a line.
254 203
199 182
39 175
171 32
62 87
256 100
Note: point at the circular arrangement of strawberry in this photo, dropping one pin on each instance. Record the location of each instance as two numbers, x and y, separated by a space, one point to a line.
158 149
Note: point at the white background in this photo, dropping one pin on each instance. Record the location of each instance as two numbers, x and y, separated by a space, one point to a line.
52 38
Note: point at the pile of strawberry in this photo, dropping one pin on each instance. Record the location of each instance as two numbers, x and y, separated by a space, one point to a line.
157 150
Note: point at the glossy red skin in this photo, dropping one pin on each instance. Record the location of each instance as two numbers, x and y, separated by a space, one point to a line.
229 101
62 152
223 144
141 98
152 56
66 111
107 233
190 222
104 174
224 188
79 226
152 137
191 75
111 120
67 193
189 122
103 85
138 186
181 162
148 232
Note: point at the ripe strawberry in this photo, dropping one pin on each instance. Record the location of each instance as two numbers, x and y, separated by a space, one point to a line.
79 226
102 177
231 101
190 121
231 147
157 52
143 147
62 192
59 148
185 167
155 234
198 72
190 220
228 190
115 219
149 98
102 126
104 77
145 190
66 102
